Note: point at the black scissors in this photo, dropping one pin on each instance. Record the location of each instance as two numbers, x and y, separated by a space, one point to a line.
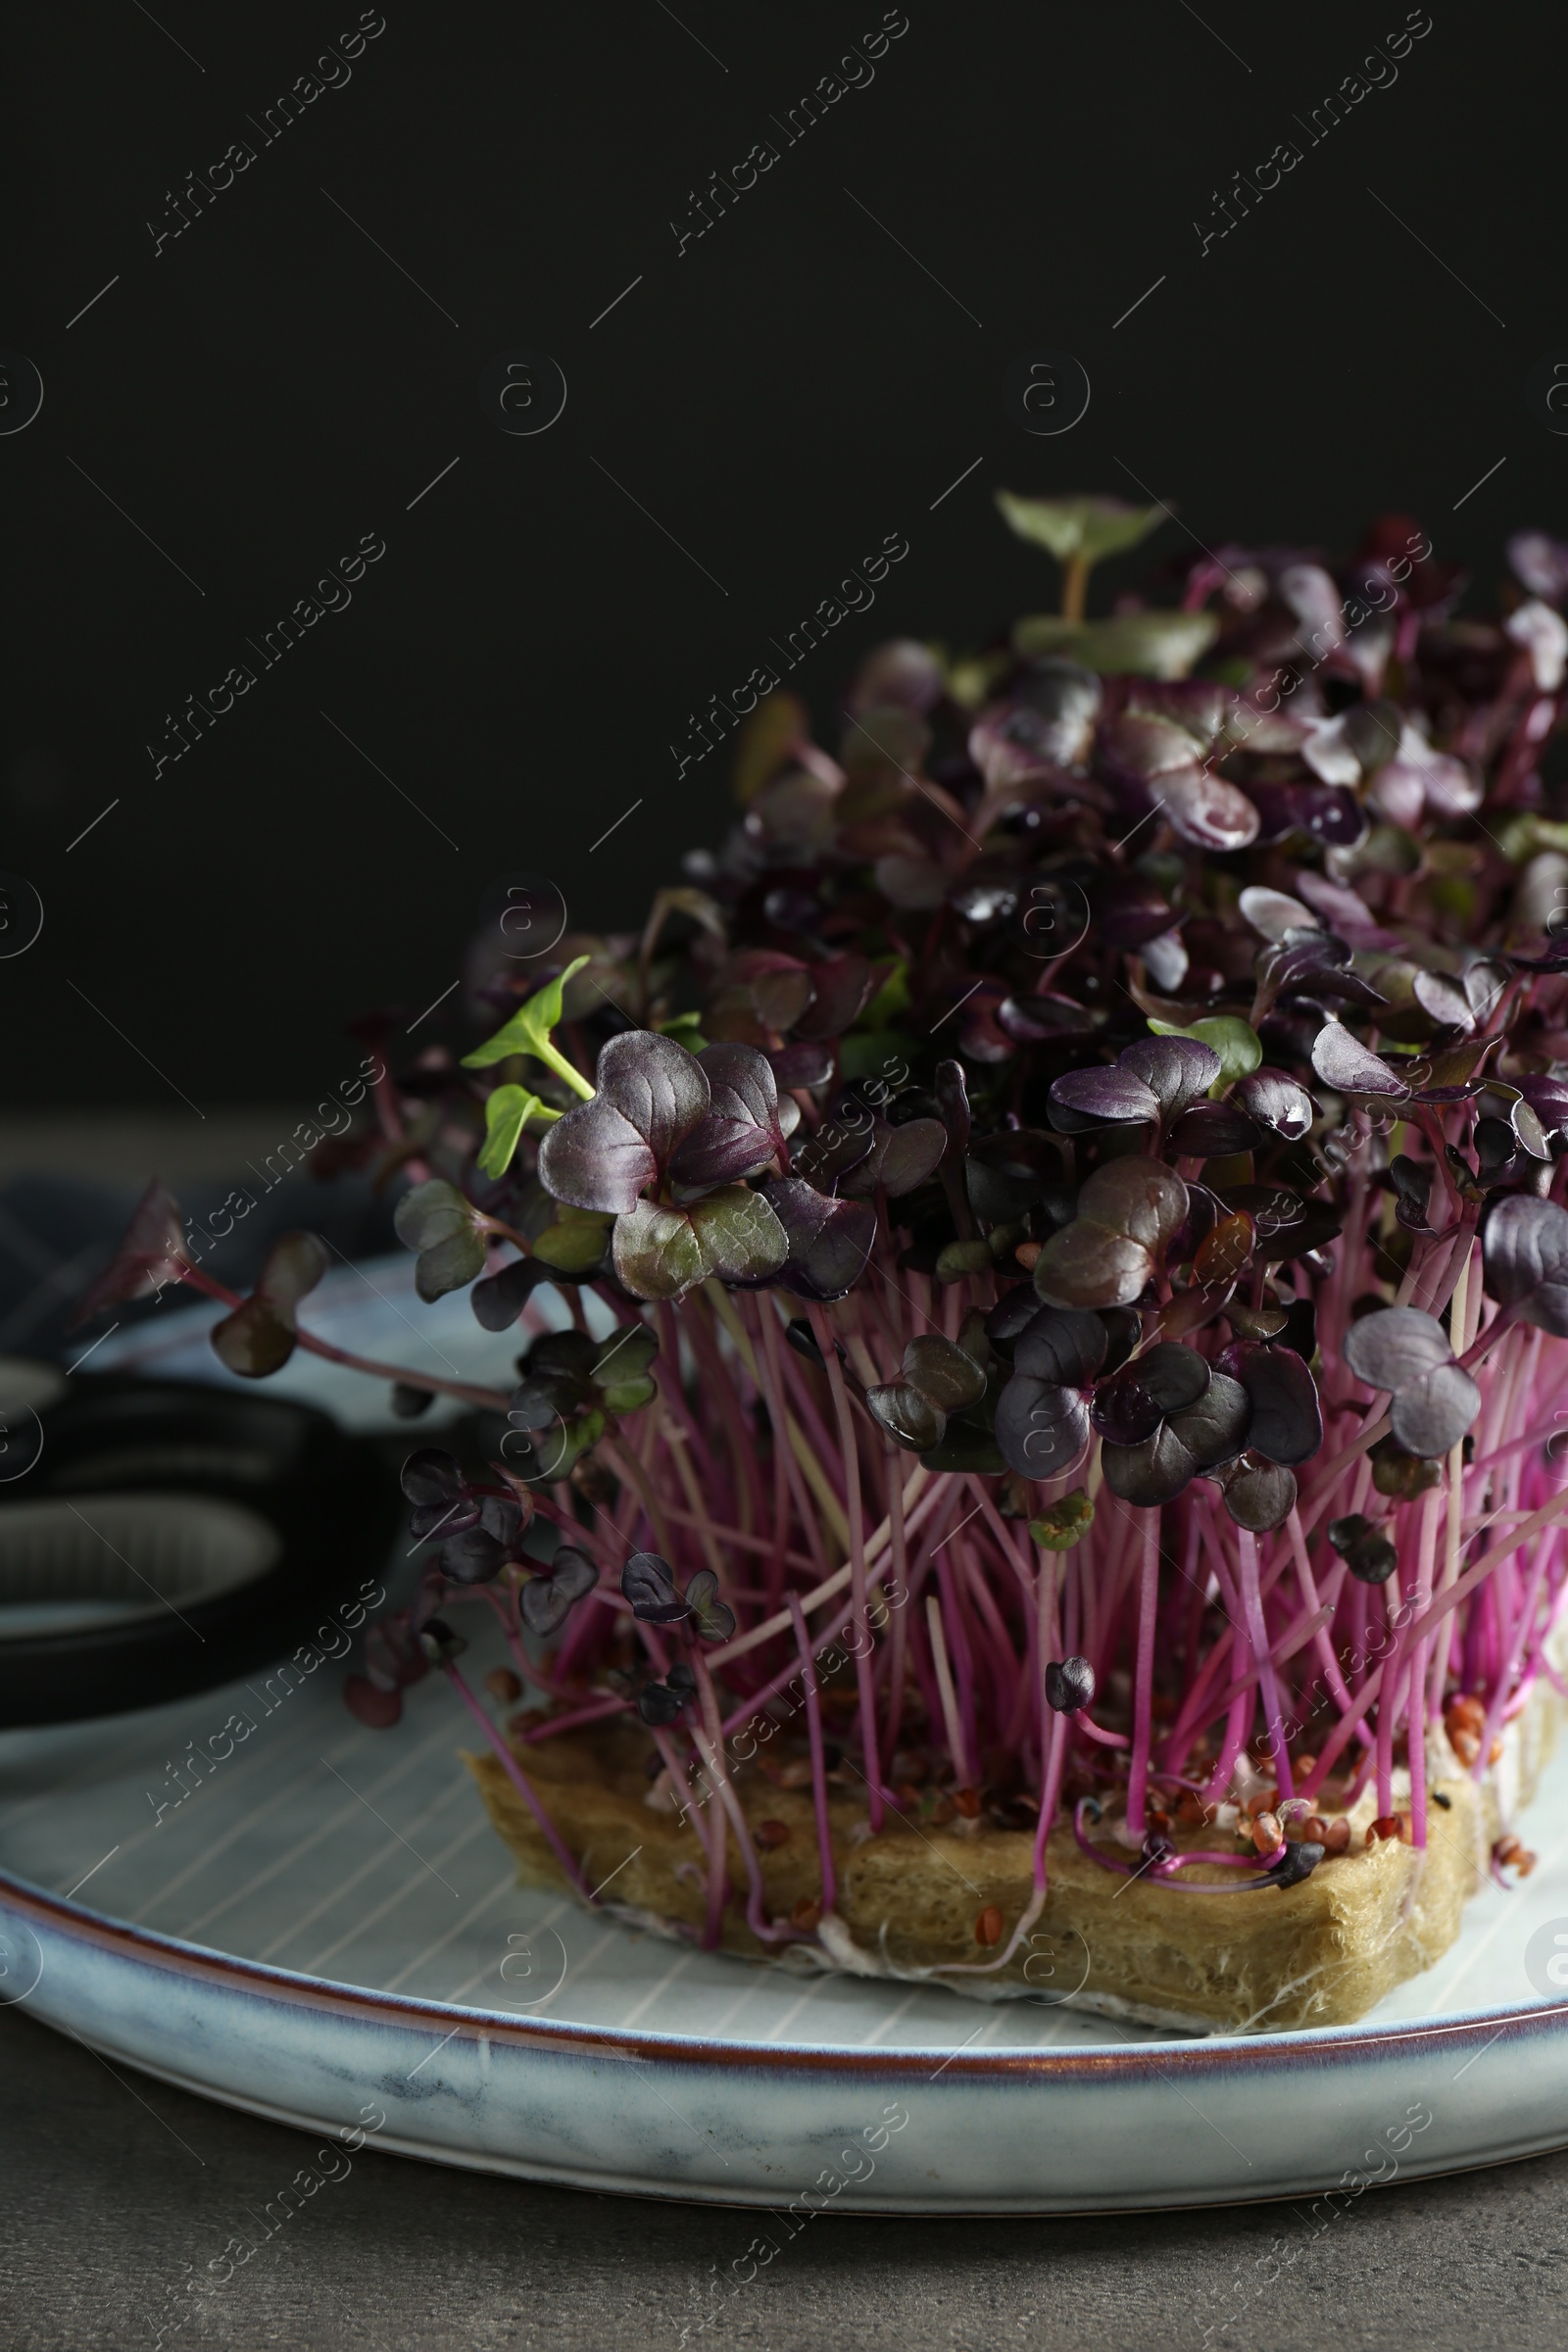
158 1538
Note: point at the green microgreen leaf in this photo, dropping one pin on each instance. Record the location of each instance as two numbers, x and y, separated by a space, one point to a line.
1239 1048
506 1114
529 1032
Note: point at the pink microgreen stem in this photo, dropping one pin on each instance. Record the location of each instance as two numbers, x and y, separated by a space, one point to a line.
519 1781
813 1730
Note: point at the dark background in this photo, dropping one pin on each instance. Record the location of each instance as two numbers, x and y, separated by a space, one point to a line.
789 390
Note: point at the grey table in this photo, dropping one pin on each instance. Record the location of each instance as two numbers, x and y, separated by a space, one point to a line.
118 2189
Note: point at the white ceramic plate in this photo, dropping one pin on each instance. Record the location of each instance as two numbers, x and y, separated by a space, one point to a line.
327 1931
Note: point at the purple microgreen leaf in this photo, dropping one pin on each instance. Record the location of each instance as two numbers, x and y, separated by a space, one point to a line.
255 1341
739 1133
1004 1174
1364 1549
436 1221
1398 1346
1214 1130
1054 1344
1122 1409
1525 1252
944 1375
1508 1104
1273 912
911 1420
1088 1265
450 1265
1548 1098
567 1355
1304 961
953 1102
1042 1429
1013 1311
1442 1000
1286 1224
151 1256
1259 1496
604 1154
295 1265
805 1064
1540 562
1175 1069
714 1618
257 1338
1342 1062
779 988
1169 1378
1277 1101
1143 745
1214 1429
1342 911
843 1141
1082 1099
539 1400
829 1240
901 1159
1206 811
1139 1197
1412 1183
1225 1251
647 1583
842 989
1130 1405
659 1705
902 675
1153 1472
473 1556
1126 1211
432 1478
546 1601
1330 813
500 1298
1430 1415
1286 1423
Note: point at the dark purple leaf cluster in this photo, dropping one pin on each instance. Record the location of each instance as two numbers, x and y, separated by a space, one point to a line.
647 1583
480 1527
